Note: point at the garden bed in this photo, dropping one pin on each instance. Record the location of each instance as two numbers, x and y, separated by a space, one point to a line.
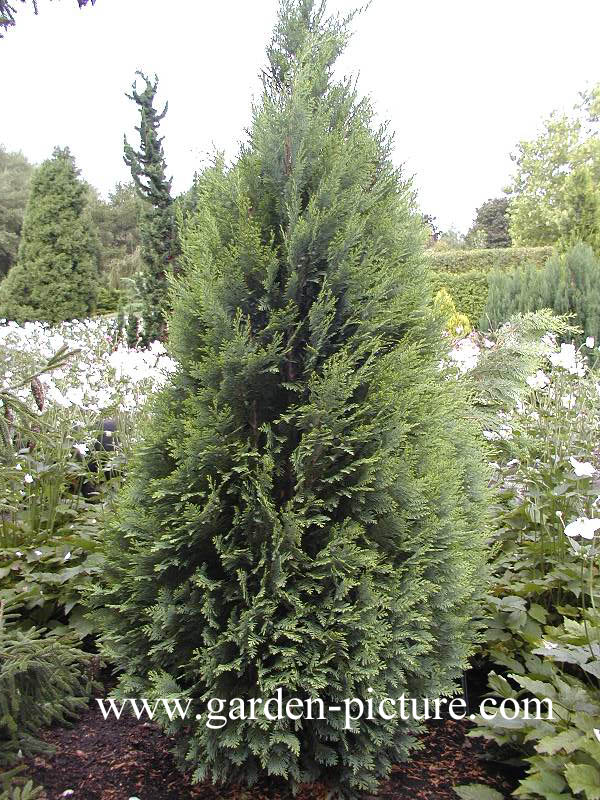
111 759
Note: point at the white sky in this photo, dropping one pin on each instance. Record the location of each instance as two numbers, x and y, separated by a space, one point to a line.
461 82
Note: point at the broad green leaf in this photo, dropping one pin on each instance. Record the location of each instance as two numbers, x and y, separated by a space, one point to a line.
584 778
477 791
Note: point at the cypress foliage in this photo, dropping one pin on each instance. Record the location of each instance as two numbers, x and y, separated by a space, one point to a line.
157 227
55 277
307 509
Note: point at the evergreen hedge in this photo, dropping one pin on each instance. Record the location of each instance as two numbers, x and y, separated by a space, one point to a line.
308 507
486 260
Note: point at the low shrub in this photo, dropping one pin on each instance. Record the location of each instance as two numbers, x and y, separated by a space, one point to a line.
108 300
468 291
44 678
455 323
486 260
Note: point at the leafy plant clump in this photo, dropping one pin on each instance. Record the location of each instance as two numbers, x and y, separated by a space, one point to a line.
543 639
308 506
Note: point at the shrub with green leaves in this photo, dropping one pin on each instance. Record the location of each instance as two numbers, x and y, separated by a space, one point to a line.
308 505
566 284
543 637
456 324
56 273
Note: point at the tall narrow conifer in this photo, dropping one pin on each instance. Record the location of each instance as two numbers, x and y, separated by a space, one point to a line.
308 507
157 224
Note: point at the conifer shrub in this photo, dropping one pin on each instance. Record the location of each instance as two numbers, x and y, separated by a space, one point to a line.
307 506
158 231
568 284
455 323
44 678
55 277
468 290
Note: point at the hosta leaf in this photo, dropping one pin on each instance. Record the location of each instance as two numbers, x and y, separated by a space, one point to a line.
593 667
537 612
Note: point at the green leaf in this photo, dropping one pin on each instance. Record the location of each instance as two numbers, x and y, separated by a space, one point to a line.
584 778
593 668
537 612
477 791
567 740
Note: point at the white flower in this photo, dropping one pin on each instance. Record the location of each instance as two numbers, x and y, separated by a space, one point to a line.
465 354
81 448
18 466
567 359
582 469
18 553
38 552
539 380
28 478
568 401
589 342
67 557
582 526
491 436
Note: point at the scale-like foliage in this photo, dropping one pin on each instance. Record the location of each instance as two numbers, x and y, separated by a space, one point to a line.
56 274
307 508
157 225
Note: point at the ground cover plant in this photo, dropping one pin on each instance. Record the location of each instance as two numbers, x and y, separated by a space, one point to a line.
57 385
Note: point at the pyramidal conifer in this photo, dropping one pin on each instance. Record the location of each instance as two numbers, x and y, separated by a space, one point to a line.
307 508
55 277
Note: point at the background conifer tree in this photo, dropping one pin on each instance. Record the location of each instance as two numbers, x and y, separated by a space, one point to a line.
157 226
55 277
307 508
15 179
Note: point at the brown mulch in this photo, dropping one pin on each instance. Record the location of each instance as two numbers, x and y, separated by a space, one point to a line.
117 760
